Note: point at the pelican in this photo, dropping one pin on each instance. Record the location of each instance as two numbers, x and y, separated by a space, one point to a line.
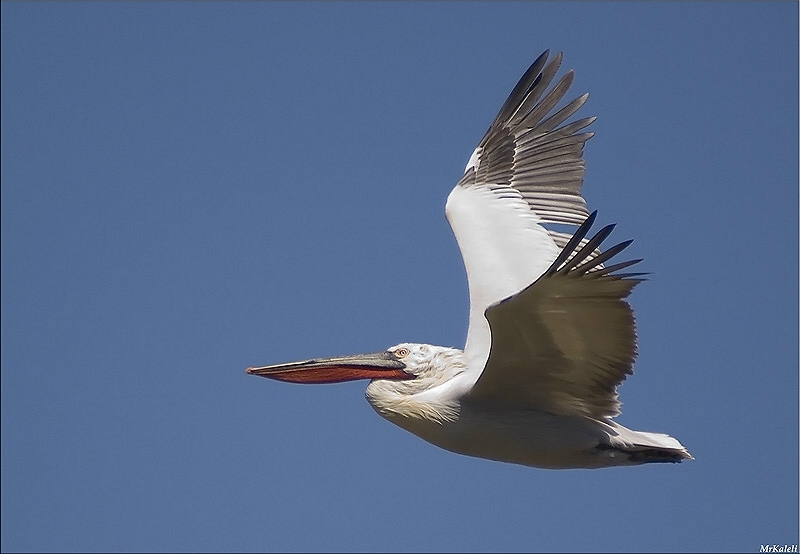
550 333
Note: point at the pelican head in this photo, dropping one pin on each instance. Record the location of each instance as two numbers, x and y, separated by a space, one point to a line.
433 392
407 380
429 365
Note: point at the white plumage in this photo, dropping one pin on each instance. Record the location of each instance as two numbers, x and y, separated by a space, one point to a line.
550 333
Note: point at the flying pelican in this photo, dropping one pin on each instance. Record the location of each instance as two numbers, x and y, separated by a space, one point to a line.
550 334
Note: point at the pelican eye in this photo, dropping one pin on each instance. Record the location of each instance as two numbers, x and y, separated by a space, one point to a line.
401 352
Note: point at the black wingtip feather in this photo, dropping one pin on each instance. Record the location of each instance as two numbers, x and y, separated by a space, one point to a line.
616 267
587 249
523 86
573 243
607 255
578 264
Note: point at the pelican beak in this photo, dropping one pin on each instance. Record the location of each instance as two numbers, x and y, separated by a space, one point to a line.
379 365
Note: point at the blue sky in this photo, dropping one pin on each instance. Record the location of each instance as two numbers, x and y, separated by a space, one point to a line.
192 188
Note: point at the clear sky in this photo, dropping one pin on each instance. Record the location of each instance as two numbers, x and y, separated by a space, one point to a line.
192 188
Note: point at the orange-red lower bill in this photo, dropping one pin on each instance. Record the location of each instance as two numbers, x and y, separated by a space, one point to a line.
331 374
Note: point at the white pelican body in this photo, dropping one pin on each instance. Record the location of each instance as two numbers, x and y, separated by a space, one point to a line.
550 333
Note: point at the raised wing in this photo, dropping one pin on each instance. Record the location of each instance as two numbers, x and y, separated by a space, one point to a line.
564 343
526 172
526 149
